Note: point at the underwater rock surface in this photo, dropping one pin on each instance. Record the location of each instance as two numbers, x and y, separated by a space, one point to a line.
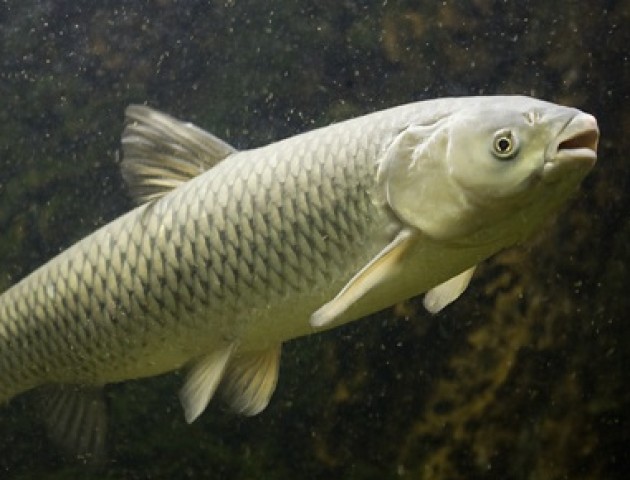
525 377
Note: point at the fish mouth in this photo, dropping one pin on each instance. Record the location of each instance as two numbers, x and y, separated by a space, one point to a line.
575 147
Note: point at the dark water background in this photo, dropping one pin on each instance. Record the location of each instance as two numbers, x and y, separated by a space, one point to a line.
525 377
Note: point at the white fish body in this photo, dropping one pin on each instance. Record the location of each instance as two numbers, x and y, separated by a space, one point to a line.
266 245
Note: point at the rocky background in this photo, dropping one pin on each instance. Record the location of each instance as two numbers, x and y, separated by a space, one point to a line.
525 377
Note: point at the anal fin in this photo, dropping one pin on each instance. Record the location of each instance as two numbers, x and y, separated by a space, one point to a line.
251 379
76 419
202 381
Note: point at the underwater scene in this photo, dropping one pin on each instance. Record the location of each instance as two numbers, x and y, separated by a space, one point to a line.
524 376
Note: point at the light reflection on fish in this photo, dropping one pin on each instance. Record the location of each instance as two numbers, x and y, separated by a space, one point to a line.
232 253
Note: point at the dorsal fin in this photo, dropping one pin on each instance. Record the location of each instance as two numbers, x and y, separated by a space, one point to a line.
160 152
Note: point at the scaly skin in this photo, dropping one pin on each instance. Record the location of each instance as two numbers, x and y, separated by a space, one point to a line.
267 235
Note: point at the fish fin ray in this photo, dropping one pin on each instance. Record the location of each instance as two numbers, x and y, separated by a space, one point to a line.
251 379
202 381
444 294
76 419
381 267
160 152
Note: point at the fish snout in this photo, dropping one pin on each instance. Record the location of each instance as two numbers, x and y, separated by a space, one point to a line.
575 147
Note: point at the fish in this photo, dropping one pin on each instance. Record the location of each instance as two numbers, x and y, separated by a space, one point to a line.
229 254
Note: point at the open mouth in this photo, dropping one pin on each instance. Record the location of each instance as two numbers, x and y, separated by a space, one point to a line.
580 133
575 147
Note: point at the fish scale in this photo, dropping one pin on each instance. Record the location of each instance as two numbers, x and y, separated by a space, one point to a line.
235 238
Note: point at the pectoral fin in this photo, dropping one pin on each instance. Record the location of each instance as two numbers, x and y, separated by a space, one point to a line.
202 382
251 379
382 267
439 297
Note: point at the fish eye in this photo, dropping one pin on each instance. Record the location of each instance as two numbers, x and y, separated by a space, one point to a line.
504 145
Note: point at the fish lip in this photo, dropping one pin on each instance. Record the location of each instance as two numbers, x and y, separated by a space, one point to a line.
574 148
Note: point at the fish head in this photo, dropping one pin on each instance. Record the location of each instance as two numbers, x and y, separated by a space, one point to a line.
493 169
504 151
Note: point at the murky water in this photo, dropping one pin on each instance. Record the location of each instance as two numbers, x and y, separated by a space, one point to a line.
524 377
